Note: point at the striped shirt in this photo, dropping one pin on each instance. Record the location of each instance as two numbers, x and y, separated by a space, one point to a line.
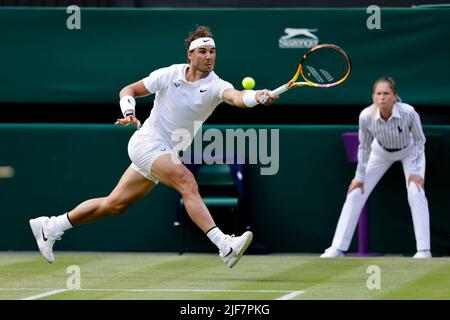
401 129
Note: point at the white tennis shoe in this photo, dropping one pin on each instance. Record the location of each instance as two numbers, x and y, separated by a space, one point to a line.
425 254
45 237
235 247
332 253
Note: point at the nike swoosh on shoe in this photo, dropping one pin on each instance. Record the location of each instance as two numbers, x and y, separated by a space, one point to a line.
43 235
229 252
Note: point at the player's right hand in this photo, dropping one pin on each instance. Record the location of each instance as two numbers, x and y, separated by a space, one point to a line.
129 120
263 96
356 184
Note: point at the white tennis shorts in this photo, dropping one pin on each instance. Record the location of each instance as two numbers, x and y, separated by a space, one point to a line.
144 150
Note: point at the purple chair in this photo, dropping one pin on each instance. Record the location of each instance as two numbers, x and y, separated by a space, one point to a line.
351 143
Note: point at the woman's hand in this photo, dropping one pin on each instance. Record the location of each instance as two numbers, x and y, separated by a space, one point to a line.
356 184
418 180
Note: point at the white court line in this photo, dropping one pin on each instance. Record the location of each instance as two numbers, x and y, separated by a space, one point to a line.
289 295
43 295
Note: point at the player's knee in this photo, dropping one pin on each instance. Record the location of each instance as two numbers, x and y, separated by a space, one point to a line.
187 184
112 208
117 210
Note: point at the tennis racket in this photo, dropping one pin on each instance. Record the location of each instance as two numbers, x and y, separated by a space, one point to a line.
323 66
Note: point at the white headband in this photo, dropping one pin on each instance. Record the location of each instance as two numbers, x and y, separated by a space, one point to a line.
206 41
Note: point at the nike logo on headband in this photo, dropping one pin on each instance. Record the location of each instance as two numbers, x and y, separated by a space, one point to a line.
201 41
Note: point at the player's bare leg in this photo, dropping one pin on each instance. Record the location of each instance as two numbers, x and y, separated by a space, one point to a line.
131 187
175 175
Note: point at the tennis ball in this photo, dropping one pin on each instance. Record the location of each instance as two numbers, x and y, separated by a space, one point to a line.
248 83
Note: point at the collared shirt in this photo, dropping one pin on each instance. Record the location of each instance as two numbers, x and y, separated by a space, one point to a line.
181 106
401 129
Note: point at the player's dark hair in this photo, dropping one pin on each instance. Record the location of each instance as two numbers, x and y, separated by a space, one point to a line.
200 32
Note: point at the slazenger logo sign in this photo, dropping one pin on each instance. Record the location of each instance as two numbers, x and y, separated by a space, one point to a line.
298 38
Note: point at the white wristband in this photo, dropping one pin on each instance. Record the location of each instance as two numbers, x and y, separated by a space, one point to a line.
127 104
249 98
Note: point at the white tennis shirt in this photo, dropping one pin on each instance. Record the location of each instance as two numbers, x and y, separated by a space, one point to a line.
179 103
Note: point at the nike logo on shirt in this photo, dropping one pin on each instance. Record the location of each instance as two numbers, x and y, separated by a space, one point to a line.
177 84
203 90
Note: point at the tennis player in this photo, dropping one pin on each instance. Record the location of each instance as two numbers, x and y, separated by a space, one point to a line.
185 93
389 131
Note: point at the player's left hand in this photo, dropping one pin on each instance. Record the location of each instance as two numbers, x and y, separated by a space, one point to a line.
418 180
263 97
129 120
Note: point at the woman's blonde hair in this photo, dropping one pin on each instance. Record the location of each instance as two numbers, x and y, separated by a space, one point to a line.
391 84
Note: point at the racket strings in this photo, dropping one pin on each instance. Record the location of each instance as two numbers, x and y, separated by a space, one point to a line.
328 76
325 66
315 73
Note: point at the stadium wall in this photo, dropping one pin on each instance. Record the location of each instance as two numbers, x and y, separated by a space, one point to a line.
55 167
116 46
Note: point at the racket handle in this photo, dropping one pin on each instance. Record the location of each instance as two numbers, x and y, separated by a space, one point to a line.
279 90
275 92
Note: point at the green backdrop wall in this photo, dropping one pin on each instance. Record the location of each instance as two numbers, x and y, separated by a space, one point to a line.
41 60
296 210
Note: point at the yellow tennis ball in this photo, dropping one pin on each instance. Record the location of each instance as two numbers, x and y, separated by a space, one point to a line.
248 83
